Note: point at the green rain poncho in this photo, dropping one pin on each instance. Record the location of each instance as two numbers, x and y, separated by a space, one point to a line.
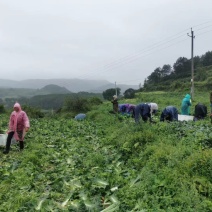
185 106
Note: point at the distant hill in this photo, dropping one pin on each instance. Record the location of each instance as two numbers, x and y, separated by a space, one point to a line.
53 89
17 92
73 85
26 92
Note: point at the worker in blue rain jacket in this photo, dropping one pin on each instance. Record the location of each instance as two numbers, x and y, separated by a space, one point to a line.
185 106
170 113
143 110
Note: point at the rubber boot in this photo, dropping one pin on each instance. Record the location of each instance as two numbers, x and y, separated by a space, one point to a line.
21 143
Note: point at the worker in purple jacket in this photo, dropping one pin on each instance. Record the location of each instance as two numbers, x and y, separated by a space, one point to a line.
131 110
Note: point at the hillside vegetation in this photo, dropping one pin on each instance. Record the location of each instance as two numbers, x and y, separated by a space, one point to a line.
108 163
49 101
178 76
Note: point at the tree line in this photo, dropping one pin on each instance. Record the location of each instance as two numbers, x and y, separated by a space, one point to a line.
181 69
170 77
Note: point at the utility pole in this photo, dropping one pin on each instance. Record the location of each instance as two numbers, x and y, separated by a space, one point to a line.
115 88
192 63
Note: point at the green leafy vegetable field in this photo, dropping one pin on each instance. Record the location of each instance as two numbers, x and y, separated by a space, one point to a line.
108 163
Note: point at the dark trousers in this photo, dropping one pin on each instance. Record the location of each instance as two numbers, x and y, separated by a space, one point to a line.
9 138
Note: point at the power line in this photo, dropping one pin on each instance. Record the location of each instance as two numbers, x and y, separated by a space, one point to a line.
203 28
143 52
115 62
204 32
138 57
202 24
129 81
132 57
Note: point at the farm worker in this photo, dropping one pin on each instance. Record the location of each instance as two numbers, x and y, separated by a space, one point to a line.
142 110
153 108
18 126
123 108
200 111
80 116
170 113
185 106
115 104
131 110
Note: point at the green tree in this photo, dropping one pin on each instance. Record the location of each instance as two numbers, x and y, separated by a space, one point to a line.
155 76
33 112
206 59
1 101
166 70
182 67
197 62
108 94
2 109
129 93
95 101
76 105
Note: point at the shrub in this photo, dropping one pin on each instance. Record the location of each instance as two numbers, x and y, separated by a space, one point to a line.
95 101
33 112
76 105
2 109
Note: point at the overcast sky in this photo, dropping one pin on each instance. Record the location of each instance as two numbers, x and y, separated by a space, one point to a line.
120 41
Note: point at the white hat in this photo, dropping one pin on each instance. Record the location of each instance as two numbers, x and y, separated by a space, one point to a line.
115 97
154 106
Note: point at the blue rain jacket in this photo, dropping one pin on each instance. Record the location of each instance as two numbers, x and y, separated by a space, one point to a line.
170 113
142 110
185 106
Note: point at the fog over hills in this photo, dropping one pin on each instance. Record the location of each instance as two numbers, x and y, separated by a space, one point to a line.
73 85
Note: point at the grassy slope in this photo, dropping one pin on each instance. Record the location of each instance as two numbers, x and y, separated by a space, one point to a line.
108 160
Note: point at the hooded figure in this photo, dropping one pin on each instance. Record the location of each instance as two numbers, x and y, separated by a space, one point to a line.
18 126
170 113
200 111
185 106
142 110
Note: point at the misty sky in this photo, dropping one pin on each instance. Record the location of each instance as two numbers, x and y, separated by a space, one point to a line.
114 40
